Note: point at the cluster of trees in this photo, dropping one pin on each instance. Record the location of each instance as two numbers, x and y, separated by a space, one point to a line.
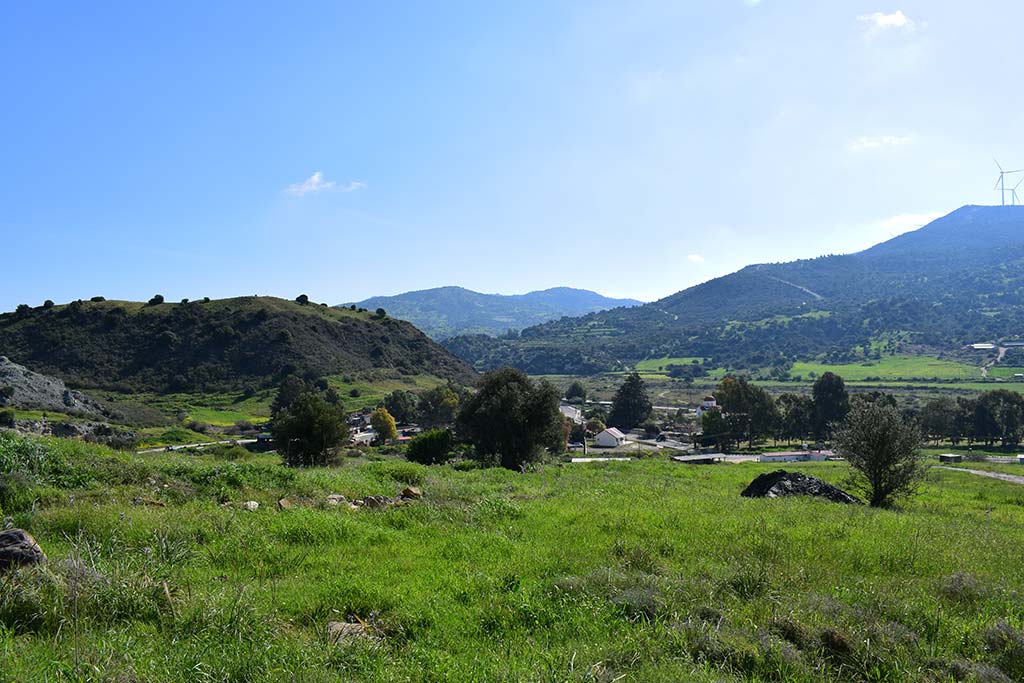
749 413
994 417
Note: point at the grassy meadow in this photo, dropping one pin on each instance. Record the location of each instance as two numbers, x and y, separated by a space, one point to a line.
639 571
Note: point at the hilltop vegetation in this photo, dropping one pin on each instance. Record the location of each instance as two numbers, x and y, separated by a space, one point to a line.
445 312
956 281
207 346
555 574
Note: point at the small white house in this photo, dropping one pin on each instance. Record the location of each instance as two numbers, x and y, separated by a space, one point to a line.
610 438
574 414
709 403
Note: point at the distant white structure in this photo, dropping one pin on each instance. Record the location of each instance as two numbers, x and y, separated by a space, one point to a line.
794 456
983 347
610 438
709 403
574 414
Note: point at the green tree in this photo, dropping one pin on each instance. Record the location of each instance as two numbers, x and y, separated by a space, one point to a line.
748 407
438 406
831 403
576 393
308 429
302 299
430 447
402 405
630 405
715 430
383 424
796 419
511 418
290 389
595 426
883 450
939 418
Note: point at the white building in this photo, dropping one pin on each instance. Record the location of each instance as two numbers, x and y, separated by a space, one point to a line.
574 414
610 438
709 403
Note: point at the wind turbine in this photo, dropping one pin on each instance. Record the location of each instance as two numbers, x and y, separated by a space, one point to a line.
1014 199
1001 183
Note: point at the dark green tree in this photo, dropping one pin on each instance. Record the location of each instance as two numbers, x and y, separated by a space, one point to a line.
430 447
748 407
402 405
831 403
715 430
438 406
796 416
511 418
308 429
938 418
883 451
576 393
290 389
630 405
302 299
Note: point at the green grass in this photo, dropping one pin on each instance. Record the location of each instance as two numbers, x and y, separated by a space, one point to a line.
641 571
661 364
892 368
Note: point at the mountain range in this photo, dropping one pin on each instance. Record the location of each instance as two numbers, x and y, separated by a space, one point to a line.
444 312
957 280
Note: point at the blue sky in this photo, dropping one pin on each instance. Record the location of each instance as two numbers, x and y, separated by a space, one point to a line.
349 149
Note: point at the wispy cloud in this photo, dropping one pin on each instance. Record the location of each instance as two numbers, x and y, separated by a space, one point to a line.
311 185
879 21
901 223
316 183
869 142
695 258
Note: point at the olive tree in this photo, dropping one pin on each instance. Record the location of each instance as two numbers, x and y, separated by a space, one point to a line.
883 450
511 418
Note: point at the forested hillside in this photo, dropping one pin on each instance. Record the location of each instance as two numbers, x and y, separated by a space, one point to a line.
955 281
214 345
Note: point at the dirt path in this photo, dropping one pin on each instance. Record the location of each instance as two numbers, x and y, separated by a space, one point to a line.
1013 478
999 358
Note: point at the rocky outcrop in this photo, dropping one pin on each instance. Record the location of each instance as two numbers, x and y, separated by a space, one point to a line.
19 549
98 432
782 483
33 391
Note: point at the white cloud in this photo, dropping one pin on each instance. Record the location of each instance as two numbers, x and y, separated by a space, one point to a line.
869 142
695 258
879 21
354 185
311 185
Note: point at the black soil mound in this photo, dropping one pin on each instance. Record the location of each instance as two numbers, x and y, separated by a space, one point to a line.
782 483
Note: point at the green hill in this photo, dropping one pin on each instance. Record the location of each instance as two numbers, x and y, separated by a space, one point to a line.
450 311
955 281
215 345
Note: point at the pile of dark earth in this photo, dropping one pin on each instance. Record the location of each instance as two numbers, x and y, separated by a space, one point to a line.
782 483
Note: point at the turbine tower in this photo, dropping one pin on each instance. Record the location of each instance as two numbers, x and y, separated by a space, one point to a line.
1001 184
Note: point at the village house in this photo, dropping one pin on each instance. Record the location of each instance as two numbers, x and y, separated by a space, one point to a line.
709 403
610 438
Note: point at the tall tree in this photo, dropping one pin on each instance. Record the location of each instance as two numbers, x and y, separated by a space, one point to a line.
630 405
796 419
384 424
831 403
511 418
883 451
438 406
308 429
402 405
290 389
748 407
576 393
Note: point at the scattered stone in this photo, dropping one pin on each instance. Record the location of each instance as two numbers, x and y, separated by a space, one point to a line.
336 499
411 493
285 504
343 633
251 505
376 502
18 549
782 483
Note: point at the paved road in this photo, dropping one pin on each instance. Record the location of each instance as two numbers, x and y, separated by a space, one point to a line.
1013 478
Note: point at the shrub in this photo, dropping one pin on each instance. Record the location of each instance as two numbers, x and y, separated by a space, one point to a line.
156 300
98 299
48 303
355 393
430 448
7 418
302 299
